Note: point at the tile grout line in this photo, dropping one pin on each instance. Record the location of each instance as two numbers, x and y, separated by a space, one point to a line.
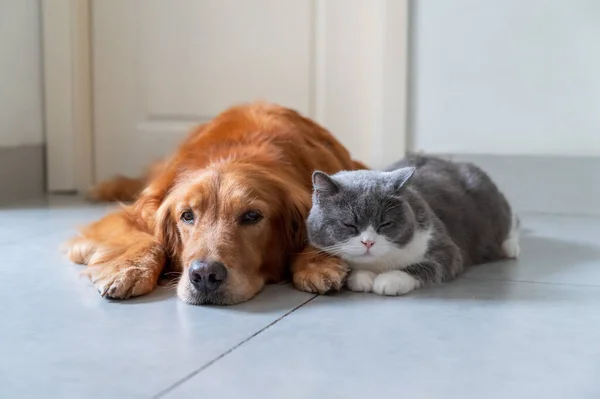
222 355
560 214
528 282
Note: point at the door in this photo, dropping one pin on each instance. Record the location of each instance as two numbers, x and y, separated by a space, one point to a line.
161 67
158 67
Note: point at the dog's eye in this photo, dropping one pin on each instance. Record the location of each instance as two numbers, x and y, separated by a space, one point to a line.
187 217
251 217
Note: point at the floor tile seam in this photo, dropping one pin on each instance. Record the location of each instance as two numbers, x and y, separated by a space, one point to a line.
529 282
191 375
560 215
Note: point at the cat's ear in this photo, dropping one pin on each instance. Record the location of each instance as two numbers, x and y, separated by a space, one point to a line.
400 177
323 184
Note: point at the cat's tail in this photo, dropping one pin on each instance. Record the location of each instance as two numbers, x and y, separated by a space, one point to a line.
511 246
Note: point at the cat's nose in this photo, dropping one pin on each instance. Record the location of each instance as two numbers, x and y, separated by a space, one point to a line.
368 243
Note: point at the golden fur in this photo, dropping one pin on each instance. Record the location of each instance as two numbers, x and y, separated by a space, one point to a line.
257 158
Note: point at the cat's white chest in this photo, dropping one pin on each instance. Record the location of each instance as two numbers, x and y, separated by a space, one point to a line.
385 256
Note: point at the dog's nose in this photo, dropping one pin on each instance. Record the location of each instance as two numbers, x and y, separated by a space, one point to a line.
207 276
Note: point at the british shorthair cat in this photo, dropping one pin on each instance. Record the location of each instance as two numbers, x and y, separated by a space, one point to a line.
421 221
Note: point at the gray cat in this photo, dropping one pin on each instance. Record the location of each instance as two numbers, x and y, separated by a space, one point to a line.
422 221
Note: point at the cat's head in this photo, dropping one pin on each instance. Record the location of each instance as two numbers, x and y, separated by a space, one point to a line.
361 216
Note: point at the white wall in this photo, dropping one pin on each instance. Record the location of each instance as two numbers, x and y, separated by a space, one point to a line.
361 76
20 74
350 98
506 76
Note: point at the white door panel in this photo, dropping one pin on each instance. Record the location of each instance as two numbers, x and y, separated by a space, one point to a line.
161 67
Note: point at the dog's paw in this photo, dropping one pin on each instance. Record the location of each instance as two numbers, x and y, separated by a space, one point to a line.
394 283
121 282
79 250
328 274
361 281
125 272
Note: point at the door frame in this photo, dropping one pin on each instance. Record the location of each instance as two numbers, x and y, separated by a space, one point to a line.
383 32
67 77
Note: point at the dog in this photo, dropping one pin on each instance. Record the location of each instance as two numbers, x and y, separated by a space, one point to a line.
226 212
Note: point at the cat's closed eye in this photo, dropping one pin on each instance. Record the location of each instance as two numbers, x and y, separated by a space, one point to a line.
384 225
351 227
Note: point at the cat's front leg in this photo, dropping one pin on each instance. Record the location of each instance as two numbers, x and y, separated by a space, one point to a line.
400 282
443 261
395 282
361 280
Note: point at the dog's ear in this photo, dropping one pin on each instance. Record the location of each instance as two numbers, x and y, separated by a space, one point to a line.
165 230
296 211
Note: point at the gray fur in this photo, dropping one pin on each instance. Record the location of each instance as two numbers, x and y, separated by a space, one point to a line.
469 218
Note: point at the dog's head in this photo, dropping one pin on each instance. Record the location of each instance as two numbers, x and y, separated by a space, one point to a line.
232 227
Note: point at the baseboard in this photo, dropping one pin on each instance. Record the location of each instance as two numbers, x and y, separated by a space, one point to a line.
21 173
549 184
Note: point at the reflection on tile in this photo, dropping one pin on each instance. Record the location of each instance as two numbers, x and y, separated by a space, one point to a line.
486 335
468 339
41 218
59 338
554 249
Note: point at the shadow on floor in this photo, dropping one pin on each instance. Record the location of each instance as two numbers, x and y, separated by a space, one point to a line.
541 257
268 301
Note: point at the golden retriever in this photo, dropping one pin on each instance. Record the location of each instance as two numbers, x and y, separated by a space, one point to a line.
227 211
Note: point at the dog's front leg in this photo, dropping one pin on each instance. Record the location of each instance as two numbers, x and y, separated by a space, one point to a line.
315 271
122 259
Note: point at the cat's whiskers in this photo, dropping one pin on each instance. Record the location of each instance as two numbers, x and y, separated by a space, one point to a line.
333 250
315 252
335 246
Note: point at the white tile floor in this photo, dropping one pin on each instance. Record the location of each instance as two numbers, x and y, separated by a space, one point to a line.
526 329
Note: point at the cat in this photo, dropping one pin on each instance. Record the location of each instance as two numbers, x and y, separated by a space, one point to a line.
420 221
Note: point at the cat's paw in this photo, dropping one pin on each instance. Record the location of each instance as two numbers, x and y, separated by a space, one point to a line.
395 282
361 281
